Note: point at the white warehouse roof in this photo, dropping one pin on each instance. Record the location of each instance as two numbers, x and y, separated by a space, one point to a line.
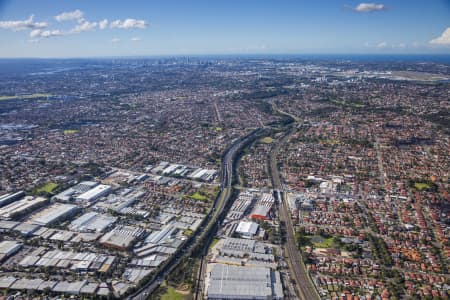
247 228
94 193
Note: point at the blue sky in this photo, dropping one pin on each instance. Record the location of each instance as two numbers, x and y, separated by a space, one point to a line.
74 28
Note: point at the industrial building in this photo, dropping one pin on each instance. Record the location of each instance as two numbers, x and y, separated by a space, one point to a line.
246 248
55 213
203 174
121 237
94 193
8 198
21 207
240 206
178 170
247 229
243 283
263 207
92 222
120 202
8 248
76 190
165 235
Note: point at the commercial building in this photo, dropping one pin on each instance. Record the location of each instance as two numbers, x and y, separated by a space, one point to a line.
242 283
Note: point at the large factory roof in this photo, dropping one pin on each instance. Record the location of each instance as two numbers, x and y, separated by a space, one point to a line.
53 213
20 206
92 221
233 282
94 193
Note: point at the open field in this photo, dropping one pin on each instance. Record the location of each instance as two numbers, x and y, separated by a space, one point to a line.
266 140
70 131
172 294
321 242
421 186
198 196
25 97
47 188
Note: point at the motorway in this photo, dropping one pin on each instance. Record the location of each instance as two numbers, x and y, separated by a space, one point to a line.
211 221
305 287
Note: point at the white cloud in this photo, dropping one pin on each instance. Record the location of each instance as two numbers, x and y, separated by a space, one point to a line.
84 26
369 7
103 24
382 45
39 33
23 24
129 23
135 39
70 15
443 39
115 40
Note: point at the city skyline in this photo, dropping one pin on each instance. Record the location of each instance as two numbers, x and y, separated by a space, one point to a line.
143 28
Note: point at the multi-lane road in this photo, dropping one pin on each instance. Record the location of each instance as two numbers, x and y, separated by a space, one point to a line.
305 288
210 224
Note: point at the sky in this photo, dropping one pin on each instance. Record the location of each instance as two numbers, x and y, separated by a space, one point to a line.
96 28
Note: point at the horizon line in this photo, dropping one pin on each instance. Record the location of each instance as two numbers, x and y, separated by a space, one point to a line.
222 55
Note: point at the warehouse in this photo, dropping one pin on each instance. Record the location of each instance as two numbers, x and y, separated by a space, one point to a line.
263 207
94 193
8 198
247 229
92 222
161 236
121 237
73 288
246 248
21 207
260 212
8 248
242 283
27 284
55 213
78 189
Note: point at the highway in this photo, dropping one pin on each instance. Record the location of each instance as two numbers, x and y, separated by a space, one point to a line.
305 288
211 222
